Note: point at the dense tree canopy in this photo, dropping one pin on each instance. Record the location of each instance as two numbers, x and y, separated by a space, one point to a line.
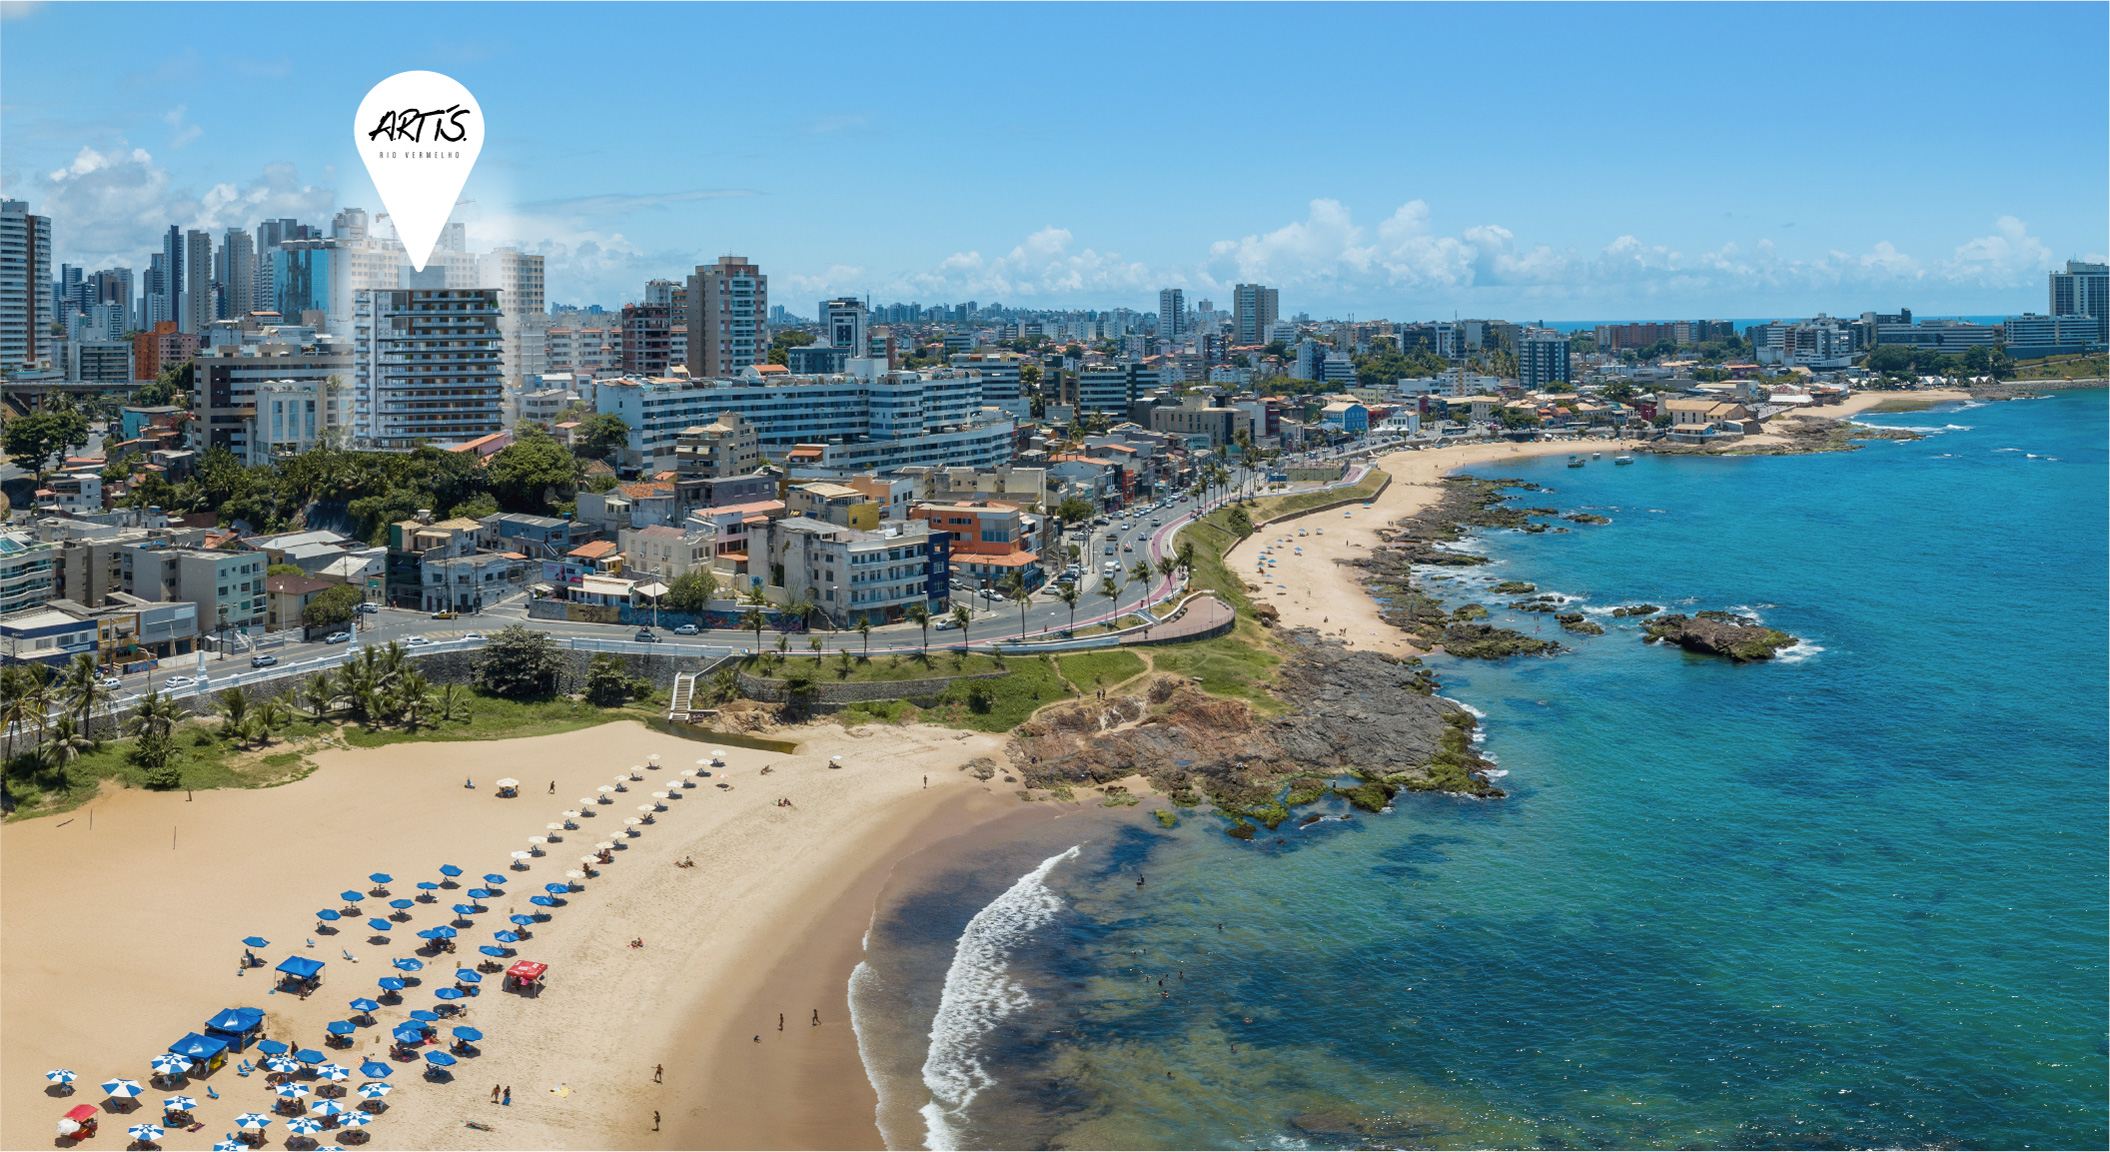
35 438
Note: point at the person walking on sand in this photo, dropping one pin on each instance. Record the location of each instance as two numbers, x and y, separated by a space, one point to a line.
553 787
494 1093
657 1070
816 1017
508 1101
780 1021
655 1120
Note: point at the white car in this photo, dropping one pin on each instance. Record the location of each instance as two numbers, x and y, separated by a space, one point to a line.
110 682
174 683
416 641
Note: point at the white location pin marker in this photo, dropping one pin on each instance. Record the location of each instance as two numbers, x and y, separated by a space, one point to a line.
419 133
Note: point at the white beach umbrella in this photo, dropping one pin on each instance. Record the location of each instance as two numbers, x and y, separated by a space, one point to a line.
637 771
605 845
121 1088
653 759
355 1119
554 827
589 859
520 856
538 839
570 814
717 757
607 788
508 782
575 874
587 802
659 795
648 807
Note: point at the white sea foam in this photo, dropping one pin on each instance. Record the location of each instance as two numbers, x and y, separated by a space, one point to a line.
979 993
1798 652
865 982
1476 713
2007 449
1495 773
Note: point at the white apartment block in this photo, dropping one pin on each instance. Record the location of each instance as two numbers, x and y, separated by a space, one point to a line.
426 367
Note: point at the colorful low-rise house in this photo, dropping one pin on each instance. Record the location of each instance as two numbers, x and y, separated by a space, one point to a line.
989 541
593 558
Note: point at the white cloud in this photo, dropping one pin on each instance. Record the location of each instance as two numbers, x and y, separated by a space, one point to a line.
180 132
112 207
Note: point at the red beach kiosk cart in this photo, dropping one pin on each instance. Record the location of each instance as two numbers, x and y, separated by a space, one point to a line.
526 977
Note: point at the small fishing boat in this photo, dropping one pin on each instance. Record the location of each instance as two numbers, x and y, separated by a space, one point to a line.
1575 461
1596 455
1622 459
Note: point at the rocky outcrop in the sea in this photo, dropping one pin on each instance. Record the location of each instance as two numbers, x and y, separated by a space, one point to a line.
1514 588
1575 622
1587 518
1795 435
1355 713
1740 638
1636 610
1429 537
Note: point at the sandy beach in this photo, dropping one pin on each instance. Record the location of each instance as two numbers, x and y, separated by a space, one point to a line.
1313 589
122 925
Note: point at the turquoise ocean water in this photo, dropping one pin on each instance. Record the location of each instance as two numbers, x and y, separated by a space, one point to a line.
1854 898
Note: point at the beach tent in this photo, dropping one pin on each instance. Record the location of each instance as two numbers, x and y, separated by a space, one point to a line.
526 976
302 970
239 1027
208 1051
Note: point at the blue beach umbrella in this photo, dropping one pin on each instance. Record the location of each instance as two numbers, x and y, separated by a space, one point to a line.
543 901
256 942
363 1004
439 1058
494 879
443 933
421 1014
467 909
506 937
340 1027
556 888
409 1033
375 1069
310 1056
449 871
521 918
380 925
381 878
467 1033
402 905
450 994
428 886
392 984
491 950
328 914
272 1047
351 897
468 976
408 963
478 893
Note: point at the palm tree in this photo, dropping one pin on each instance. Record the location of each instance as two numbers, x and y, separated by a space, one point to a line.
1108 589
83 691
155 714
1068 594
754 621
962 615
21 702
64 743
783 643
414 698
1186 555
451 703
318 696
919 614
864 629
1014 586
725 684
802 609
815 644
233 707
1167 566
1142 573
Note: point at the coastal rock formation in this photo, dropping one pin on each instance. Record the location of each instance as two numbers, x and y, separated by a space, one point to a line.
1636 610
1514 588
1795 435
1587 518
1740 638
1351 712
1428 538
1575 622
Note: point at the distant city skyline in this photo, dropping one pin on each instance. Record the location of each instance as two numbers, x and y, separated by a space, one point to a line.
1564 163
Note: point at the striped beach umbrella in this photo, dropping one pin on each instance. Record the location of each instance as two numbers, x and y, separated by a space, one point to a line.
122 1088
303 1126
375 1091
252 1121
169 1064
178 1104
62 1075
229 1144
286 1064
334 1073
353 1118
292 1090
147 1133
330 1108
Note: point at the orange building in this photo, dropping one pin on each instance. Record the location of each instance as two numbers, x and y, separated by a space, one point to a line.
162 348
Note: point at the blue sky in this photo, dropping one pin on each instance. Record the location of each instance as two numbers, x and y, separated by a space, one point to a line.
1559 162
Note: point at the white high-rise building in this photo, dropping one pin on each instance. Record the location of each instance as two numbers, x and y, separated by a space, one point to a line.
523 317
427 367
843 324
240 285
1172 314
195 312
25 295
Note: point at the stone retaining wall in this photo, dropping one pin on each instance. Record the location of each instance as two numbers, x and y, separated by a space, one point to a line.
825 693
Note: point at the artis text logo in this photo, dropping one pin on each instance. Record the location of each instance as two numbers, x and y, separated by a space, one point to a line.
411 125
